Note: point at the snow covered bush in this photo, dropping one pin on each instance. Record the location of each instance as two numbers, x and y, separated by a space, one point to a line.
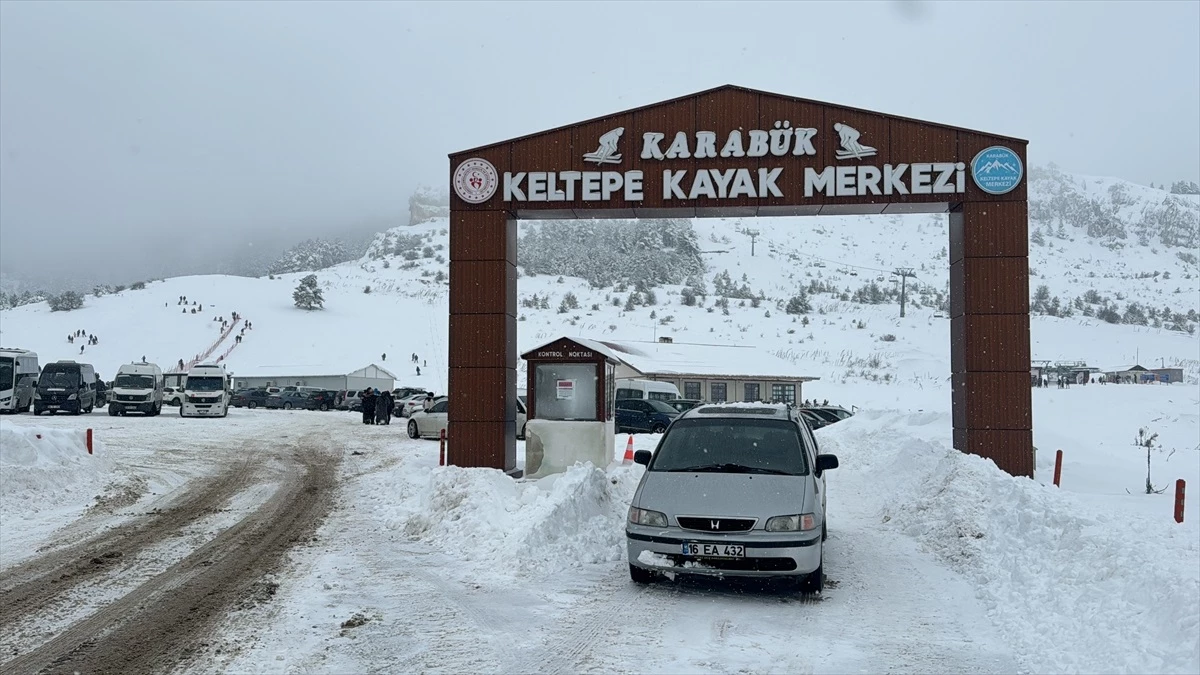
65 301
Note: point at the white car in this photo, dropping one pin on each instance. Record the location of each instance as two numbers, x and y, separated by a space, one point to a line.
410 404
430 423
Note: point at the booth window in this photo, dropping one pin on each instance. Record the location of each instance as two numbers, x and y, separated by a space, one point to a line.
691 391
750 389
565 391
718 392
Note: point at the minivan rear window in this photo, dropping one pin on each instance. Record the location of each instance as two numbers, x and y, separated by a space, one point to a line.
732 445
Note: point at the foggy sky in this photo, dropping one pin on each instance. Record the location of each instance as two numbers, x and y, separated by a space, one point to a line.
131 130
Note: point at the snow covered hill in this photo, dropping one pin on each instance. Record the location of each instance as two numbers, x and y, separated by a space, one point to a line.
394 301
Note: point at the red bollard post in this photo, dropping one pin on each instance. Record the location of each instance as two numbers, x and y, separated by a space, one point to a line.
1179 501
89 441
1057 467
442 448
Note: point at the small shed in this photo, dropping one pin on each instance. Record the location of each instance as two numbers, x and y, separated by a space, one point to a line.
571 379
1128 374
1168 375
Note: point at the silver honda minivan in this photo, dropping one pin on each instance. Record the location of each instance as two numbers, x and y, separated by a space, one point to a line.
732 490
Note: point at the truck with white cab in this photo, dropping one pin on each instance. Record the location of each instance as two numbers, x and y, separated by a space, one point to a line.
138 387
19 372
206 392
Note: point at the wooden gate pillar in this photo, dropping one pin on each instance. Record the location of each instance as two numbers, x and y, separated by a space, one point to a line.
989 333
483 340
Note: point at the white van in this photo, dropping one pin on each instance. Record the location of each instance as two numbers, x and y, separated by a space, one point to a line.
206 392
657 391
19 372
138 387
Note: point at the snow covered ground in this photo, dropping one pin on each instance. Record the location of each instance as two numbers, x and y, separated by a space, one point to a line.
938 562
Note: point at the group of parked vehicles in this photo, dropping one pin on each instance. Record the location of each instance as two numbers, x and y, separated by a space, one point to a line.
655 415
140 387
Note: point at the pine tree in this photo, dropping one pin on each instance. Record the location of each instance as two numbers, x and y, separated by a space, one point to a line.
308 294
799 304
1041 300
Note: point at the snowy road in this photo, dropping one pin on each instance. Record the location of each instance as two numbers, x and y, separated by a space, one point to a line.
144 591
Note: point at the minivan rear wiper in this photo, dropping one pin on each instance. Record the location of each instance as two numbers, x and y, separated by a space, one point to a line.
730 468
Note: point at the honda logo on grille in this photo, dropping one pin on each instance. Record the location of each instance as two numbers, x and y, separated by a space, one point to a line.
714 524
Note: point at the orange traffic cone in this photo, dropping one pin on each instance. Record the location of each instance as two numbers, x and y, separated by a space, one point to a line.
628 459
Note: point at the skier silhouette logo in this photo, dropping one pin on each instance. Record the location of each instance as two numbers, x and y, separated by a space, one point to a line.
607 152
851 148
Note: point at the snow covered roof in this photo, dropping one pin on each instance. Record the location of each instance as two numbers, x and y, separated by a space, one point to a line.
704 360
598 347
1124 369
309 370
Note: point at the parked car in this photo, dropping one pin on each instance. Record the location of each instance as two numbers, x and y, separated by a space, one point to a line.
250 398
428 423
831 414
644 414
321 400
684 404
173 396
287 400
522 417
814 420
732 491
404 392
411 404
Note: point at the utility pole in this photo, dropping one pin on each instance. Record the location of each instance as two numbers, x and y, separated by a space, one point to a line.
904 273
753 234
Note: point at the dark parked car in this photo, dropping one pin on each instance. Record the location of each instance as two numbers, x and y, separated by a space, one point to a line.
321 400
287 400
637 414
250 398
830 413
683 404
814 420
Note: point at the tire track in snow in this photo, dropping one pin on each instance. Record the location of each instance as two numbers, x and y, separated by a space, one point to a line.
605 607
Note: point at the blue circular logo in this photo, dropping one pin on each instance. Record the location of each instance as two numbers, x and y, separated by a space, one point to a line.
997 170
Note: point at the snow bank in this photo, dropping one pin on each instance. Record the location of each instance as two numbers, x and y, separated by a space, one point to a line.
519 527
1076 582
43 469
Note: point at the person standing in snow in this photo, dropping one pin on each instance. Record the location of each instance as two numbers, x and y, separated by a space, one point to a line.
380 407
428 402
368 406
387 403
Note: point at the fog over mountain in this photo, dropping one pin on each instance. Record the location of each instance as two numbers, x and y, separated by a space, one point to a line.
157 139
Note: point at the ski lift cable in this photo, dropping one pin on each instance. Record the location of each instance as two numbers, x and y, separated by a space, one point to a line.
838 262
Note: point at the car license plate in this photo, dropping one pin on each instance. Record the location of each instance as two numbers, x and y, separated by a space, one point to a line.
714 550
52 407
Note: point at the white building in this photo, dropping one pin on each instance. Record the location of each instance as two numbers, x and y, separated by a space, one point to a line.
707 372
372 376
716 372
